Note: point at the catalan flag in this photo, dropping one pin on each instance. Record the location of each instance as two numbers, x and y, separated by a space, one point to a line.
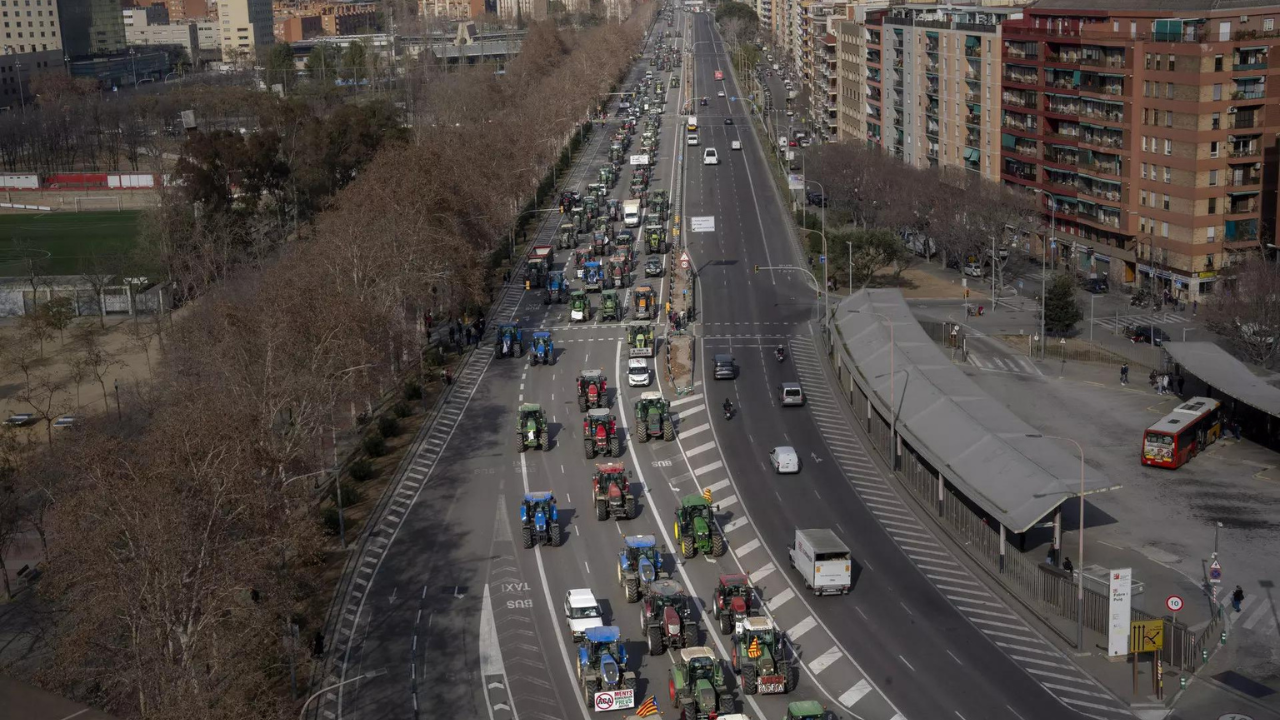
648 707
753 650
706 494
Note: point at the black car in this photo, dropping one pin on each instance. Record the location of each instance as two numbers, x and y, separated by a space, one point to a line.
702 101
816 198
728 121
1143 334
1097 286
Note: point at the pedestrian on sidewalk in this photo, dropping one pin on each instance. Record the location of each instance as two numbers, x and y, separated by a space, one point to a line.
1195 305
1066 565
467 334
1237 597
1124 374
1181 381
1235 428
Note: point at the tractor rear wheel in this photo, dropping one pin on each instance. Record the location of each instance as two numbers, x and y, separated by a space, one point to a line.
615 446
555 535
520 442
589 447
691 635
668 430
629 507
544 438
717 544
687 548
748 680
790 678
602 510
633 590
655 640
725 703
726 623
589 689
527 536
582 403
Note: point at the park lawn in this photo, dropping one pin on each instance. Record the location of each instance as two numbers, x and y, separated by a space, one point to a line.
66 243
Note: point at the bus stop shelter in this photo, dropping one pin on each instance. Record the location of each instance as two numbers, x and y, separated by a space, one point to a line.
1248 399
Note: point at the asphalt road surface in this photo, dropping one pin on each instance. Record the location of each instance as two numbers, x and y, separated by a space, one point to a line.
465 622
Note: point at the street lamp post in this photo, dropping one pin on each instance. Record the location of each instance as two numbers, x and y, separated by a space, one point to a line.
1079 548
1044 261
822 207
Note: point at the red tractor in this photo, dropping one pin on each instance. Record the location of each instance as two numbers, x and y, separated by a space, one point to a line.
600 434
611 489
593 390
734 601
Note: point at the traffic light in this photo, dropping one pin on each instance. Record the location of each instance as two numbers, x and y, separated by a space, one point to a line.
757 269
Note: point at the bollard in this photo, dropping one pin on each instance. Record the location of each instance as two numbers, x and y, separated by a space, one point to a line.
1223 637
1182 682
1204 656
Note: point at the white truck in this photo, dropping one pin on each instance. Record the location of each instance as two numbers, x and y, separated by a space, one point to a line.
631 213
823 561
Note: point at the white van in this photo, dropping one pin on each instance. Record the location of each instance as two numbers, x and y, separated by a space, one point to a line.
784 459
709 157
638 374
692 139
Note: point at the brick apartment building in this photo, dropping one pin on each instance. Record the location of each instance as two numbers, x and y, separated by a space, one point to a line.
303 21
1146 131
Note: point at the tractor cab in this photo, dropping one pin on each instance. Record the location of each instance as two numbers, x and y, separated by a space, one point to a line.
591 205
640 339
620 268
806 710
557 290
668 617
696 528
644 301
733 602
655 238
653 418
597 190
642 557
531 428
759 631
509 342
600 647
700 664
593 388
579 306
568 199
613 206
539 519
542 350
581 256
600 434
610 306
698 685
625 240
600 243
659 204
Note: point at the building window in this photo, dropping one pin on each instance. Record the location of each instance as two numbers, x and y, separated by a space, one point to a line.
1168 91
1171 63
1217 121
1268 25
1168 118
1213 207
1144 171
1166 202
1217 91
1168 174
1142 198
1217 64
1144 143
1210 234
1213 153
1164 229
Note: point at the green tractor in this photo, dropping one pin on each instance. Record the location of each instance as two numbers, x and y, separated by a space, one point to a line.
699 688
610 308
640 339
759 655
531 430
659 205
695 528
579 306
655 238
567 238
653 418
806 710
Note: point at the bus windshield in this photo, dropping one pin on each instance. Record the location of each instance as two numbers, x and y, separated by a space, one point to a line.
1159 440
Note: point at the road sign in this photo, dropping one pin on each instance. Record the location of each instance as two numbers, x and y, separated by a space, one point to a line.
1174 603
615 700
1215 572
795 181
639 159
1146 635
704 223
822 259
684 260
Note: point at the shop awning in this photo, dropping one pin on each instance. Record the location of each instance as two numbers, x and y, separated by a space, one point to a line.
1243 192
1008 140
971 154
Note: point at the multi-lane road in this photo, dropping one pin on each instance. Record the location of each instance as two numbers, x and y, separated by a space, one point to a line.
462 621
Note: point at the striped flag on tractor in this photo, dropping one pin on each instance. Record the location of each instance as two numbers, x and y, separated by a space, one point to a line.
706 494
753 650
648 707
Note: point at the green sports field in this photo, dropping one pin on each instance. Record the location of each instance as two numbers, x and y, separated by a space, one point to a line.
65 243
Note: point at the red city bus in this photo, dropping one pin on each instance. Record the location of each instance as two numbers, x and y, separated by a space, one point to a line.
1182 434
719 75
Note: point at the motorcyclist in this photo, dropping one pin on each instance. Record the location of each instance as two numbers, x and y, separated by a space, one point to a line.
728 407
781 352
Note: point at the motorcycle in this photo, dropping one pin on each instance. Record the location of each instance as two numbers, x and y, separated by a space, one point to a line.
780 354
728 412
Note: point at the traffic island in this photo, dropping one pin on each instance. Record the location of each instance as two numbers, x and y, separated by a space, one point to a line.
681 311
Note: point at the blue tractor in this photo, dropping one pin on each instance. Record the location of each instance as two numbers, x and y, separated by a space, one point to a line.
543 350
509 343
557 288
539 520
639 565
602 663
592 276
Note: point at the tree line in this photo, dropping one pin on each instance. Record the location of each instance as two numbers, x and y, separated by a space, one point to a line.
181 540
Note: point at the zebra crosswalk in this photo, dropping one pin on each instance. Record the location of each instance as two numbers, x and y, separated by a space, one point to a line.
1120 322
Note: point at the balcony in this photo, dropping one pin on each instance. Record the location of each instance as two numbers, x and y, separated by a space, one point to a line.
1244 121
1061 156
1250 59
1244 148
1023 123
1243 177
1021 50
1021 75
1102 84
1100 215
1102 57
973 139
1062 106
973 52
1102 110
1070 56
1243 205
1114 140
1100 189
973 119
931 46
1025 148
1019 98
1249 93
931 128
1062 79
1020 170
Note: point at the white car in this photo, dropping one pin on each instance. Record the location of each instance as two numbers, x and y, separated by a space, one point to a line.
735 145
709 157
692 139
582 611
784 459
973 270
719 93
638 374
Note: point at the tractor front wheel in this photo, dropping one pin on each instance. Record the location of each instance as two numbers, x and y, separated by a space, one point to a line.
527 536
555 535
668 430
589 448
589 689
602 510
633 590
717 545
748 680
582 403
629 507
655 640
629 682
687 548
615 447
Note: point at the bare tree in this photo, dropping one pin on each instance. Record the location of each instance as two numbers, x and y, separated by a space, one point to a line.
95 359
47 399
1245 309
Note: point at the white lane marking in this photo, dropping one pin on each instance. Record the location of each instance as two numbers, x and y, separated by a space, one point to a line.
824 661
940 580
1011 636
701 448
689 412
801 628
855 693
1069 678
1011 626
747 547
686 434
726 502
689 399
717 487
763 572
734 525
708 468
949 571
777 600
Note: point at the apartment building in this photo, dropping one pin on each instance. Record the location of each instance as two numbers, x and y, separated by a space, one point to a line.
31 45
90 27
933 84
818 63
1143 130
181 10
851 78
140 32
454 9
245 24
156 14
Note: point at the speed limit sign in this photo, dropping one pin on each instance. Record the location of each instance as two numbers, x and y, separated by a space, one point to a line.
1174 603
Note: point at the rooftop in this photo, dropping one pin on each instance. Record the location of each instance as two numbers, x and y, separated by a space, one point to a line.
1163 6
